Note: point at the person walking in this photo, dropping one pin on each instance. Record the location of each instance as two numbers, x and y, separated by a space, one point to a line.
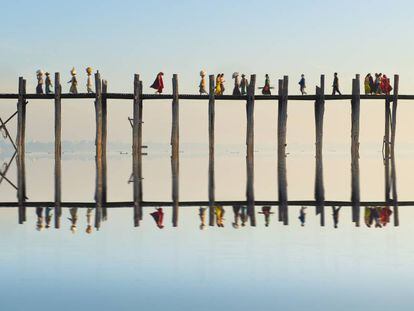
48 84
367 86
158 84
335 85
266 88
217 90
302 84
236 90
244 84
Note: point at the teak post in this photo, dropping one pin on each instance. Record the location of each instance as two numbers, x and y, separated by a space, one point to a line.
250 150
136 151
175 138
58 151
319 186
104 141
281 147
355 185
98 156
211 173
393 169
21 124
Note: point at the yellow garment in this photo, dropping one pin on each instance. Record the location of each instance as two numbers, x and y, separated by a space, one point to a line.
367 86
218 86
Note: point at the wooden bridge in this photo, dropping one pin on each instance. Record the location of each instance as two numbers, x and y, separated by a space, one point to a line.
101 97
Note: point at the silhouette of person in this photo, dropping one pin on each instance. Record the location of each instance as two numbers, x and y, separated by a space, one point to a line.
302 215
202 214
335 215
158 84
266 212
335 85
243 85
48 84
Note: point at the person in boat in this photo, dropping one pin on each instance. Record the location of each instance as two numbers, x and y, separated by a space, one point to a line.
302 84
158 216
335 215
202 85
39 87
158 84
243 85
266 211
302 215
202 215
73 219
266 88
335 85
367 86
237 216
219 211
236 89
48 83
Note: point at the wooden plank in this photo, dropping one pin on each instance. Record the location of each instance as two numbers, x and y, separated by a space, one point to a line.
319 185
98 155
20 151
136 151
250 150
393 168
282 174
175 137
58 150
355 184
211 152
104 142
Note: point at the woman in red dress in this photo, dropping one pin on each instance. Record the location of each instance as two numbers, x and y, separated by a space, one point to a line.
158 83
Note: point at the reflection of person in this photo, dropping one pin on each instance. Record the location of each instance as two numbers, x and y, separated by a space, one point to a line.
302 215
73 219
266 212
202 214
237 215
48 218
219 211
89 220
335 215
385 214
244 216
158 216
367 217
158 84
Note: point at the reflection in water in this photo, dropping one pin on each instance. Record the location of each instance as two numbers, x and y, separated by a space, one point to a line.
158 216
266 212
73 219
380 216
335 215
40 219
302 215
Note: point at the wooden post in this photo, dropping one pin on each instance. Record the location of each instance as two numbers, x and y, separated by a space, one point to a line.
136 150
355 192
319 186
58 150
140 122
393 170
281 147
21 123
104 141
211 173
250 150
98 156
175 151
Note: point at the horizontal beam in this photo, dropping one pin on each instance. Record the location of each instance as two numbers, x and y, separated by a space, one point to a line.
129 204
201 97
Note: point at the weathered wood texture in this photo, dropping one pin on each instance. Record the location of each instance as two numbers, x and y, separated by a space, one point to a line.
393 168
175 142
21 176
355 185
140 154
319 185
104 143
98 154
58 150
281 147
250 150
211 152
136 151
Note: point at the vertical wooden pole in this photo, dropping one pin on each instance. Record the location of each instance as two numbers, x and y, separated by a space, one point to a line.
355 185
393 169
175 151
387 151
211 172
21 103
140 122
136 151
319 186
98 156
104 141
58 150
282 175
250 150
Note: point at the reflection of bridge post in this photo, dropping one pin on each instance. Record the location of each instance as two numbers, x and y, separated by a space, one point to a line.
393 170
21 128
250 150
98 156
104 140
319 186
355 185
211 172
136 151
58 150
175 139
282 178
